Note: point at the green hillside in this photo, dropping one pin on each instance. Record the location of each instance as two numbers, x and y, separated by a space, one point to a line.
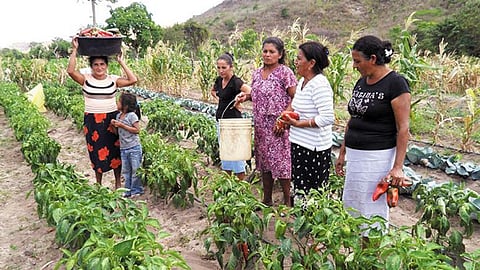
333 19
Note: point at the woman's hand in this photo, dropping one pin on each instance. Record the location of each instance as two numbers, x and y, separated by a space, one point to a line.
242 97
397 177
289 121
339 166
119 57
115 123
75 42
340 162
279 127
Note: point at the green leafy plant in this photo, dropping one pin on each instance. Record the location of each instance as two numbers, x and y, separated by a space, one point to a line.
168 170
233 222
440 204
172 120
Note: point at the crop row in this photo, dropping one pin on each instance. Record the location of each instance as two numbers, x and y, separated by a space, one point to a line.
96 228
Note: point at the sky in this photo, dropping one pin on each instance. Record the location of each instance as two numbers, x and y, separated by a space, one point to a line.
25 21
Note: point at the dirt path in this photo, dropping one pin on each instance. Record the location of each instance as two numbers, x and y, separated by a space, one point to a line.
28 243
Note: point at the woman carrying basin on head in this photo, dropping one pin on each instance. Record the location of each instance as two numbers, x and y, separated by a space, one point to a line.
99 91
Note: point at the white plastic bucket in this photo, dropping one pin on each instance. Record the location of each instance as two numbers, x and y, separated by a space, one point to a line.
235 141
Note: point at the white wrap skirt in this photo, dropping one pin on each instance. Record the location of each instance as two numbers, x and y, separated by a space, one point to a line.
364 168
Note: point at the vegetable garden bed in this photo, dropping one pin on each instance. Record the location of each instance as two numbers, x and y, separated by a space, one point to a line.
273 235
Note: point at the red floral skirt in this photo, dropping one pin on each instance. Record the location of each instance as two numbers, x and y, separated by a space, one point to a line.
102 143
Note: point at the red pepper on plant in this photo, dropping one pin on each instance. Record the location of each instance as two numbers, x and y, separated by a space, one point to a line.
243 247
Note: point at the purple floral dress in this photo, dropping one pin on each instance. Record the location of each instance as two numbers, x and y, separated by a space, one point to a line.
270 98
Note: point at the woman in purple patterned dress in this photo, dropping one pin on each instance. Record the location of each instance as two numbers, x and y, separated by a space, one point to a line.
273 87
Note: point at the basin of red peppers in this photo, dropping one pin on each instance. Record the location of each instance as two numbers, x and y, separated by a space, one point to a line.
98 32
385 186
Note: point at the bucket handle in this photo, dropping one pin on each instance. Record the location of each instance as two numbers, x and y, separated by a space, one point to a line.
228 107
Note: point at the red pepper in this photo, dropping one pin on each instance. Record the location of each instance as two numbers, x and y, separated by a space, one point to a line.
381 188
243 247
392 196
85 31
406 182
280 124
283 117
291 114
103 33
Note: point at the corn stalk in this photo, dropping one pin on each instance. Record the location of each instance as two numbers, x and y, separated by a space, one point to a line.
205 67
472 119
171 68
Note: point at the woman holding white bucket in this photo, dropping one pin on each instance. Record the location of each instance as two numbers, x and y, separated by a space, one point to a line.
311 135
226 87
273 87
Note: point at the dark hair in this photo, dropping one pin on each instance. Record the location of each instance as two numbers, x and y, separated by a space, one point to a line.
129 101
227 57
372 45
93 58
279 45
318 52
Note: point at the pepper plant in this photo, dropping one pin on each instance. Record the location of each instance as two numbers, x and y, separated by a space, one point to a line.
168 170
170 119
234 223
65 102
440 205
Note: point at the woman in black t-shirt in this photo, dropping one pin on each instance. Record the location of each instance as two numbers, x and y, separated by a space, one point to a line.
225 89
377 133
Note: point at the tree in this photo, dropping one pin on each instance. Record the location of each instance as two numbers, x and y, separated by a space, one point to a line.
136 23
190 35
195 34
174 34
468 26
59 48
11 53
94 2
460 30
38 51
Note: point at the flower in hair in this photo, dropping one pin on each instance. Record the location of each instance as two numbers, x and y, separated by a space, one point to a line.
388 53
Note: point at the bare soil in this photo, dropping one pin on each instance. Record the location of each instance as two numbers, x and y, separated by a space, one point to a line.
27 242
